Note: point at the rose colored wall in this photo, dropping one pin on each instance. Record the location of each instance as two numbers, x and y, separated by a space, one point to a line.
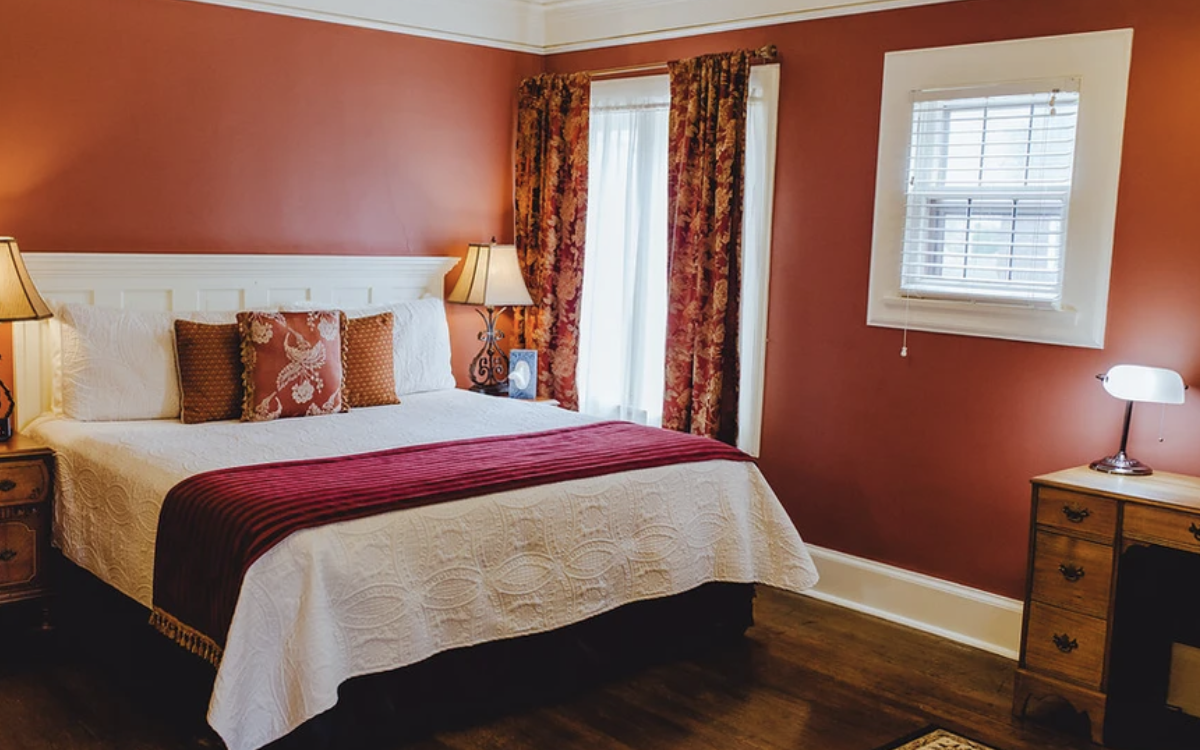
924 462
170 126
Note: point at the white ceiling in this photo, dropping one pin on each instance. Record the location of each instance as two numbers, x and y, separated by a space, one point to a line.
550 26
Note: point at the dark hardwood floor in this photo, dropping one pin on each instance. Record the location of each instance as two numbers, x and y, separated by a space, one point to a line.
807 676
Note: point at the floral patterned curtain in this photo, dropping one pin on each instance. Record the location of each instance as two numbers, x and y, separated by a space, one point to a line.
551 212
704 235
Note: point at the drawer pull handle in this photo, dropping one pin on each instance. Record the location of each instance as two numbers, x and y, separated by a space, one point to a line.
1075 514
1065 643
7 485
1195 531
1071 572
7 555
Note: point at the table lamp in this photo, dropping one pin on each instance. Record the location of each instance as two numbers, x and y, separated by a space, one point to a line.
1130 383
492 278
19 300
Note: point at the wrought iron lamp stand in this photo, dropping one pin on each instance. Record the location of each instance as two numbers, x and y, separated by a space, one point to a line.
489 369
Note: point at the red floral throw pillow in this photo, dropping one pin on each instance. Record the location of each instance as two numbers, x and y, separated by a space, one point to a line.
292 364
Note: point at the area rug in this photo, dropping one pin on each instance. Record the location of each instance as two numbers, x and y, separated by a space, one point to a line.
935 738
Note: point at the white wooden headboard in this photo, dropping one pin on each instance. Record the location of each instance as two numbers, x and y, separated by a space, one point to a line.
188 283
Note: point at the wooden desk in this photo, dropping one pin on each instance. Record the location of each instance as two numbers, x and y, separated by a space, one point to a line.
1081 522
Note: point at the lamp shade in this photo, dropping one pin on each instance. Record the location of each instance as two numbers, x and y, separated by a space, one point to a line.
1150 384
19 298
491 277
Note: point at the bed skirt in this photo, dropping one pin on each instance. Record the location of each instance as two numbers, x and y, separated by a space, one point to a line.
465 685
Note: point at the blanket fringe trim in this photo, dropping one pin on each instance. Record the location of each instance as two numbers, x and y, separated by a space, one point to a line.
186 636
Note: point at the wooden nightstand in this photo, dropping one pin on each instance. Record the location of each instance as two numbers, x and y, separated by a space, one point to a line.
26 494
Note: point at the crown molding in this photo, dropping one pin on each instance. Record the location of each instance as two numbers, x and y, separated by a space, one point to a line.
572 25
516 25
553 26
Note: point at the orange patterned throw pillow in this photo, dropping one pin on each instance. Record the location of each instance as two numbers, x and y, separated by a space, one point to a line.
210 371
292 364
370 370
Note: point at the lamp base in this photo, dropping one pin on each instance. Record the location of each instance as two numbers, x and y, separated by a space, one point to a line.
491 389
489 369
1121 464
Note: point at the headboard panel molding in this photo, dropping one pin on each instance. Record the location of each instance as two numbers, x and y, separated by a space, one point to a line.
190 283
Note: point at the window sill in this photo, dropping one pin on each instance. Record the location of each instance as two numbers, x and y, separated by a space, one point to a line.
1041 325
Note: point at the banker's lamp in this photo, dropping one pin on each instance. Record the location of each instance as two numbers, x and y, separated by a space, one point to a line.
1130 383
491 278
19 300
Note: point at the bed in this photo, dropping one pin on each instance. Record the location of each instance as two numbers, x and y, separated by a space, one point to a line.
379 593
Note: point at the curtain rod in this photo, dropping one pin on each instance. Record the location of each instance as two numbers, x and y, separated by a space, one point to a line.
762 56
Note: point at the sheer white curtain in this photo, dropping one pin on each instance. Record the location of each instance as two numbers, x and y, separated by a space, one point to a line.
623 317
623 321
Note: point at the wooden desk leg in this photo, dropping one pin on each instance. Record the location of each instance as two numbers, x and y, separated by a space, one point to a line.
1072 708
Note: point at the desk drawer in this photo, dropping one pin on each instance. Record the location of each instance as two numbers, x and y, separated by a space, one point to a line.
1072 573
1077 514
1169 528
1066 644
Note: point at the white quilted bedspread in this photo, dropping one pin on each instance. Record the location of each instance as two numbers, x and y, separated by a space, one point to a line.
374 594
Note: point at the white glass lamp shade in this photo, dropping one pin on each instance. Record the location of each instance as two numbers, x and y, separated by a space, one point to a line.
1153 385
19 298
491 277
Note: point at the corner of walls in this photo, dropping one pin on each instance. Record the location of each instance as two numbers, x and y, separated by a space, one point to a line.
188 127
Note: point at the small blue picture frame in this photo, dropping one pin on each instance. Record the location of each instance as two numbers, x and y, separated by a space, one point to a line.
522 374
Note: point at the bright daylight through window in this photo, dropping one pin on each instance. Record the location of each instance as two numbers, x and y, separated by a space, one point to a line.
623 311
988 189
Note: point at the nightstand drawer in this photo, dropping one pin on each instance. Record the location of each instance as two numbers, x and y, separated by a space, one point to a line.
1065 644
1077 514
19 564
23 482
1072 573
1170 528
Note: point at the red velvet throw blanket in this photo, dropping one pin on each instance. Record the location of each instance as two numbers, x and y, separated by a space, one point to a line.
213 526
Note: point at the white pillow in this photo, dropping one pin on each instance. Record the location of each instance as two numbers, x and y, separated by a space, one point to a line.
120 364
420 342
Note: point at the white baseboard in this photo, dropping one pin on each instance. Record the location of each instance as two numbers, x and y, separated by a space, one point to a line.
960 613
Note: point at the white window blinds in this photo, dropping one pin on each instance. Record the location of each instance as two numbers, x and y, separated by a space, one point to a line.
988 191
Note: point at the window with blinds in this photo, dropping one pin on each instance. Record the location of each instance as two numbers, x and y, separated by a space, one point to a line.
988 191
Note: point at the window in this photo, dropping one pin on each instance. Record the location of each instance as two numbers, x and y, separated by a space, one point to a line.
623 310
982 225
989 182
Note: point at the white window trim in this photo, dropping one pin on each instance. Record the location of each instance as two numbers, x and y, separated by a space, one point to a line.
756 282
1101 61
